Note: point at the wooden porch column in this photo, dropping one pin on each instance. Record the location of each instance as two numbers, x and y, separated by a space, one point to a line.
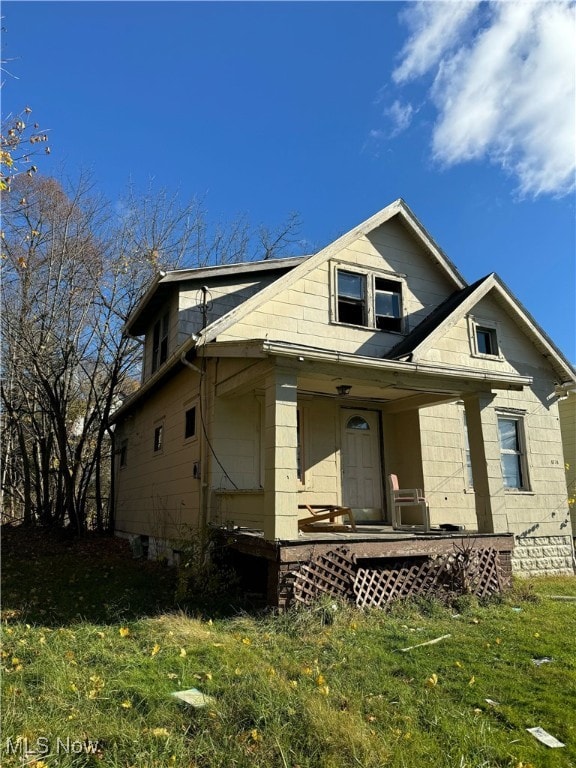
485 459
280 456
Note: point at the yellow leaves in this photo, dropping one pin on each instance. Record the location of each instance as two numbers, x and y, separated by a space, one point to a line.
432 681
458 664
536 634
471 681
98 684
124 632
255 735
6 158
127 704
246 641
320 680
155 650
293 683
160 733
182 652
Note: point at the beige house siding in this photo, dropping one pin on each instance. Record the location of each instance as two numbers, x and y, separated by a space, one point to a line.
567 410
305 312
222 298
171 307
157 494
444 466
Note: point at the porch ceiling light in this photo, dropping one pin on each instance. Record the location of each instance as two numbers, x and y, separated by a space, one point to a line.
343 389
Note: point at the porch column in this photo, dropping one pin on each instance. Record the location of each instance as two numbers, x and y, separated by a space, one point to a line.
280 456
484 444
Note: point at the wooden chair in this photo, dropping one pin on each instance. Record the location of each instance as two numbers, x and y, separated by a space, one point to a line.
410 510
323 512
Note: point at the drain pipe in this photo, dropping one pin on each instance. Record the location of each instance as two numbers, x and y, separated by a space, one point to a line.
202 453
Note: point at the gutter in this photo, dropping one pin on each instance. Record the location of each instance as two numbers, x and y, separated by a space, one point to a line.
394 366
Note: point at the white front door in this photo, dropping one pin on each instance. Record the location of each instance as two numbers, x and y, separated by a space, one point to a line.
360 464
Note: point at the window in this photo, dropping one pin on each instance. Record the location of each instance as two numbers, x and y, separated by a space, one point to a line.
368 301
486 343
388 304
483 337
512 455
351 298
124 453
158 437
160 342
190 423
357 422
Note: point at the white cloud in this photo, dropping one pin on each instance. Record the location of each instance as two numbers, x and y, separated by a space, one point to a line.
506 92
400 115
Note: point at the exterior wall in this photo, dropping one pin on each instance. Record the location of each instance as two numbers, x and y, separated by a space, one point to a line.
444 465
567 410
156 493
223 297
536 555
304 313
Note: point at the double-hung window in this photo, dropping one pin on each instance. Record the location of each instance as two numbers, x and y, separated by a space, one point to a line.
160 341
512 453
368 300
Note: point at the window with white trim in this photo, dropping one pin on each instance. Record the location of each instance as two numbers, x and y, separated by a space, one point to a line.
513 453
368 300
484 338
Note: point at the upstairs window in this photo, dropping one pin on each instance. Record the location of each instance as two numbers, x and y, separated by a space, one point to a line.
369 301
388 304
160 342
351 298
486 341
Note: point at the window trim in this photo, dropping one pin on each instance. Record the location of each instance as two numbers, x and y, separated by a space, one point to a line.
476 324
521 452
370 276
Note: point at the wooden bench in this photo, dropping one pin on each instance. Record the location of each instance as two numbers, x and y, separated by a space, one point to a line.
322 512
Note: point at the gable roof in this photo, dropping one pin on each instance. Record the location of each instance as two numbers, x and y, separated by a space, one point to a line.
397 208
154 296
456 306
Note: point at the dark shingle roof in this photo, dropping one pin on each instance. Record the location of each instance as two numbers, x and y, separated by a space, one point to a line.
406 347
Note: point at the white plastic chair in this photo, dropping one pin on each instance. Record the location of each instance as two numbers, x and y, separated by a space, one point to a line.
410 509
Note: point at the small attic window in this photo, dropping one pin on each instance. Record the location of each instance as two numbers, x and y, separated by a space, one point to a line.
486 341
484 338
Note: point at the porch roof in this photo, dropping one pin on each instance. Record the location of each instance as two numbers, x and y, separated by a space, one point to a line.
394 374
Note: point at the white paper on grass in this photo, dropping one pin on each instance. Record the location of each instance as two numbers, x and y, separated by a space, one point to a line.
545 737
194 697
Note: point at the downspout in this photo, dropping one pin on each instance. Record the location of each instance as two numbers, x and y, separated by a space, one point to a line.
202 453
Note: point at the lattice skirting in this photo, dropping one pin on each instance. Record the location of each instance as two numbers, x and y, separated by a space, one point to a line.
337 573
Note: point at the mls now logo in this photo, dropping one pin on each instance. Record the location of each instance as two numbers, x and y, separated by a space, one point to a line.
22 745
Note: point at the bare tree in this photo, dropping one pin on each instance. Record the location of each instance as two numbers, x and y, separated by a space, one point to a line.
74 269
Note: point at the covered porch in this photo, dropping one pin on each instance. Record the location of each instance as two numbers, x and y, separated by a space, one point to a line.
332 427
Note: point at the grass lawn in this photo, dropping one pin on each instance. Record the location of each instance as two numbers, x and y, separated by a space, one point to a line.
94 646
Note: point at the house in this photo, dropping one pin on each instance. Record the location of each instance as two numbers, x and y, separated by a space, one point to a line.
272 385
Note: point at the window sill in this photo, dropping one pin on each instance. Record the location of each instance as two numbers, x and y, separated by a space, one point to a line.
518 492
367 328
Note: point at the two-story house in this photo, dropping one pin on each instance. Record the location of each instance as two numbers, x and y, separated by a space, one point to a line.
272 385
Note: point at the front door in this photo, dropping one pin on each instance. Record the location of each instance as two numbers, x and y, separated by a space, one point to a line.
361 465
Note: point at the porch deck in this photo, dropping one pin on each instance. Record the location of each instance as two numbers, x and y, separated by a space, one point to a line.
369 542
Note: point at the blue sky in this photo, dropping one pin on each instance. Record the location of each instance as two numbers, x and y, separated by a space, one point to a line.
333 110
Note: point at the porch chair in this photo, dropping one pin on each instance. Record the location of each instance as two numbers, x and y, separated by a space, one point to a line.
410 510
